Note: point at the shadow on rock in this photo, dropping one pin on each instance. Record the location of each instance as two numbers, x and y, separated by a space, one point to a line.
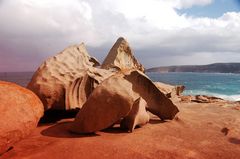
234 140
156 121
115 129
52 116
61 130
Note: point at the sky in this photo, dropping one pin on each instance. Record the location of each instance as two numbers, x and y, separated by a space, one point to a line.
160 32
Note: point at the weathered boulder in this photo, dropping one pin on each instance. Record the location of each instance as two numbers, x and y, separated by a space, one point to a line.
170 90
138 116
113 99
121 57
20 111
157 102
61 76
109 102
78 91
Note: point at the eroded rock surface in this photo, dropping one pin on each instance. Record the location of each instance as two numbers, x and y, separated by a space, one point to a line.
113 99
121 57
109 102
62 74
157 102
20 112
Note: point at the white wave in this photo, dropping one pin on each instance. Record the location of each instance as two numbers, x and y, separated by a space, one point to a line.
235 97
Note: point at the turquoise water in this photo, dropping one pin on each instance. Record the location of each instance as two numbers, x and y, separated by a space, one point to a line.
226 86
223 85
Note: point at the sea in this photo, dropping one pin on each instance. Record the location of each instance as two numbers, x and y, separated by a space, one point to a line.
222 85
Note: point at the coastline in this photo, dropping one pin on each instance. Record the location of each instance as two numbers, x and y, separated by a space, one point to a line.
115 111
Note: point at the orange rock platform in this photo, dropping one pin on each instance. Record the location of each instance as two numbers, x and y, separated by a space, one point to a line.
201 131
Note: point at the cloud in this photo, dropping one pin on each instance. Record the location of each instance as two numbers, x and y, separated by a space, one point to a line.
181 4
32 30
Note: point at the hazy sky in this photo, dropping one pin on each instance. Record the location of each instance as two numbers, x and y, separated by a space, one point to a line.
161 32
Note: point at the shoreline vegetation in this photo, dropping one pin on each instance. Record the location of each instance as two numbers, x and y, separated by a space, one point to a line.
111 110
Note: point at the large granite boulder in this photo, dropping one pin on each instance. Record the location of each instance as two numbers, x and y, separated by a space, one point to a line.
60 77
109 102
113 99
20 111
121 57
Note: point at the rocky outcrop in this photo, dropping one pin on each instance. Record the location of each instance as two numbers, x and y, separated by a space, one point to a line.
114 98
20 111
60 77
70 80
200 131
201 99
120 57
138 116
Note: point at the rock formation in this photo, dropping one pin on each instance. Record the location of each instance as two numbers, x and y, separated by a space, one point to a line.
70 80
201 99
60 76
78 91
110 101
113 99
20 111
121 57
170 90
157 102
138 116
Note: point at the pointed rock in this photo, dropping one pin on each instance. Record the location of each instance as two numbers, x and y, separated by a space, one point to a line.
55 76
121 57
138 116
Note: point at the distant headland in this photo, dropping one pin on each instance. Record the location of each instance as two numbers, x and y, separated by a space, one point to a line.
211 68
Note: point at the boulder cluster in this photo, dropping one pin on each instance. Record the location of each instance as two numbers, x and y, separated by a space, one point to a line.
116 91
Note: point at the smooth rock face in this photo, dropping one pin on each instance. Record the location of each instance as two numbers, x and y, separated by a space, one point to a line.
138 116
157 102
121 57
20 111
53 79
109 102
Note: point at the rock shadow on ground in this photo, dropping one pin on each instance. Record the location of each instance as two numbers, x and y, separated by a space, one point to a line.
61 130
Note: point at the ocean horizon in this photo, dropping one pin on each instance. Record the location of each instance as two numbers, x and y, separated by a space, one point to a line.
222 85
